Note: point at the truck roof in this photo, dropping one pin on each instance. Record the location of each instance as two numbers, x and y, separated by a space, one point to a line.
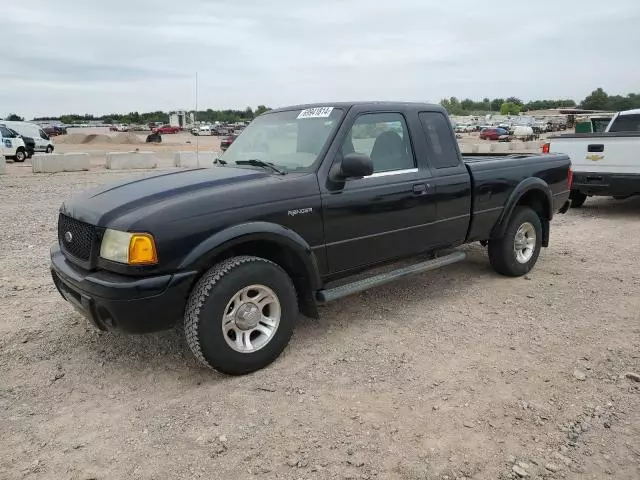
374 105
635 111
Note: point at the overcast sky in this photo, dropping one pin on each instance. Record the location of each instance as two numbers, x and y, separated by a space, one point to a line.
89 56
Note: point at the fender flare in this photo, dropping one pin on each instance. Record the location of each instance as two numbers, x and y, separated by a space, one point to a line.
524 187
202 256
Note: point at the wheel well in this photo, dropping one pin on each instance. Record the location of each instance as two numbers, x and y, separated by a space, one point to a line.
287 259
537 200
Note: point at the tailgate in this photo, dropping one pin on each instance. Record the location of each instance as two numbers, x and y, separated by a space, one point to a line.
600 153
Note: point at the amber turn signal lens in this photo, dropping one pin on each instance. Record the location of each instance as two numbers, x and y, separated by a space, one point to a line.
142 250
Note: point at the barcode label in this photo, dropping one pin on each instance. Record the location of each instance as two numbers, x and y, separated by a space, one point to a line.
317 112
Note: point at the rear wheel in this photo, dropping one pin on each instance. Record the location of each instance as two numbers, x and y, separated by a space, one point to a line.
240 315
516 253
577 199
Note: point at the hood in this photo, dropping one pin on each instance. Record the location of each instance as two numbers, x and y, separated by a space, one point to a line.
166 195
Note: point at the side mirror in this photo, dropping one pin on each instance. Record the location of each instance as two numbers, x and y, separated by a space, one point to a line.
355 165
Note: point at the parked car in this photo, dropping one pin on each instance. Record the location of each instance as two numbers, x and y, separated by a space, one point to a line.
464 128
494 134
54 130
40 139
306 197
13 144
121 127
166 129
227 141
202 130
606 163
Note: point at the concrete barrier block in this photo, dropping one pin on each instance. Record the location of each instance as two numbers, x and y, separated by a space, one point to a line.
3 164
60 162
513 145
131 160
474 148
530 146
501 147
484 147
195 160
465 148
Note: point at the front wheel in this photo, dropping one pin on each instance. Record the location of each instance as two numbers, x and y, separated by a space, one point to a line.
240 315
21 156
517 251
49 149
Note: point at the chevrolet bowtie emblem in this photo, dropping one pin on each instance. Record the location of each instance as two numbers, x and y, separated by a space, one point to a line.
595 158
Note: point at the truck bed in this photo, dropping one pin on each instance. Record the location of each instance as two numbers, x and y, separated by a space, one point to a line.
495 177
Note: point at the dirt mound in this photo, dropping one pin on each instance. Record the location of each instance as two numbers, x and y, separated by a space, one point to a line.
127 139
99 138
96 138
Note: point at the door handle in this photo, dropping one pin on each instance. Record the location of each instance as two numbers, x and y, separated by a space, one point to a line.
595 148
419 189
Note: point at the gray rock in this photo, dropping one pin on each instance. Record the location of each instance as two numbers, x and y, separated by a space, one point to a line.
521 472
552 467
632 376
579 374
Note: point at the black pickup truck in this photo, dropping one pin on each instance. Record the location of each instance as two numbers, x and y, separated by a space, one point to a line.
304 199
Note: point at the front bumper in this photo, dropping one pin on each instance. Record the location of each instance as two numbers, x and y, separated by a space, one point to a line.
117 302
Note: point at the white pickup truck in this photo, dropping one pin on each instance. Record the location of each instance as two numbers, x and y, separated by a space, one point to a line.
604 164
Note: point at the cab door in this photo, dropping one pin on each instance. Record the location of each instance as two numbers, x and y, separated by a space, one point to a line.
386 215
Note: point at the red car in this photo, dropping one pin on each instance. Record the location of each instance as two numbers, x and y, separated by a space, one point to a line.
227 141
494 134
165 129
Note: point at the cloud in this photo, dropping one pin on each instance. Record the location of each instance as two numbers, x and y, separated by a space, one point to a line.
142 55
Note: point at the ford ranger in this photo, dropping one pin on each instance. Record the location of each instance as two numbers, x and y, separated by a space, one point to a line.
304 200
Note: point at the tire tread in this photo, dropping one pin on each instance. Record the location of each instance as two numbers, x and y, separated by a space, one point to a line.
200 293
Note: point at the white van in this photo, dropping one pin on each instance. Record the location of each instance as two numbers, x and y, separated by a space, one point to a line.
202 130
14 148
42 141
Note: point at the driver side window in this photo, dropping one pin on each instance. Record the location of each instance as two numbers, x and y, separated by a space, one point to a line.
384 138
6 133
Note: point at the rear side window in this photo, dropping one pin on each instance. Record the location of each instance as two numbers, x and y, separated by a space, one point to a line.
442 151
626 123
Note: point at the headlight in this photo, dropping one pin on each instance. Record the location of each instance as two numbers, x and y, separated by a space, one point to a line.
129 248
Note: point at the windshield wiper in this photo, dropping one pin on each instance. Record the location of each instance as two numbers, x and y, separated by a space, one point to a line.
261 163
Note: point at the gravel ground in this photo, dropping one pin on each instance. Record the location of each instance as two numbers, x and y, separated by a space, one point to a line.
453 374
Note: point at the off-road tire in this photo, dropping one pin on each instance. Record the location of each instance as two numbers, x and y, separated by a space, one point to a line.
49 149
502 256
205 310
577 199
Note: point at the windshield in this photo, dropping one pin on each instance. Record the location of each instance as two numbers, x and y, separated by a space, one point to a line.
290 140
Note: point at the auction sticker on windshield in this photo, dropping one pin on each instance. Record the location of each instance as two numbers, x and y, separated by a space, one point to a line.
317 112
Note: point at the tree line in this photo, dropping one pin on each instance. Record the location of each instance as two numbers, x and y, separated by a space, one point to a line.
136 118
596 100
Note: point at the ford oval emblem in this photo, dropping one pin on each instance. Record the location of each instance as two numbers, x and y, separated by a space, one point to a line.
68 237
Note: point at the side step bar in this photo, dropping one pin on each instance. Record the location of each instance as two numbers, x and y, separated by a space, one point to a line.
331 294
